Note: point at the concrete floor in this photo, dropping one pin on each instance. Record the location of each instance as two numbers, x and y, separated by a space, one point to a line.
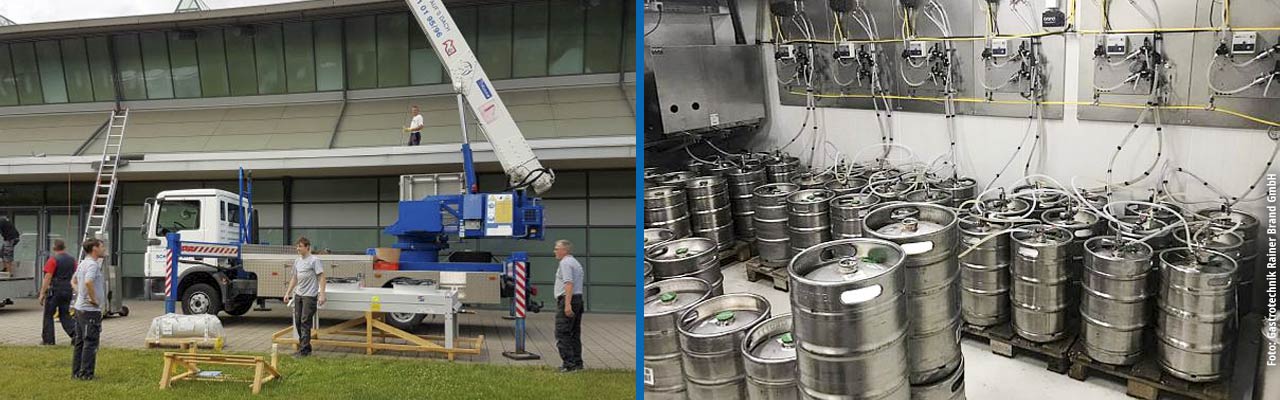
608 340
987 375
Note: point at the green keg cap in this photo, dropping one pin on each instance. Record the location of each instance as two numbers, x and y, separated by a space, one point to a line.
667 297
682 251
724 316
787 338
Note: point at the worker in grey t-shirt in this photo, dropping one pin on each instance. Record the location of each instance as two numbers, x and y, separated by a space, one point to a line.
306 288
91 295
569 308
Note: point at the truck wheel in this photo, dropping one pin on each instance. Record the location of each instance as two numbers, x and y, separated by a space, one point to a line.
124 311
201 298
405 321
240 308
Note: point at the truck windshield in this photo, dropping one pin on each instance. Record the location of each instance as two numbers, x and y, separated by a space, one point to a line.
176 216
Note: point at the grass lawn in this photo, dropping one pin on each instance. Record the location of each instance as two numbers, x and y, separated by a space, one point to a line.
45 373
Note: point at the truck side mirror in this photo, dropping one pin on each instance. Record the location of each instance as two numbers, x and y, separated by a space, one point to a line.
146 214
253 228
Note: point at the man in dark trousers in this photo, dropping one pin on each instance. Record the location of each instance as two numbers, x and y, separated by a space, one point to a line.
55 292
91 294
306 289
9 234
569 308
415 126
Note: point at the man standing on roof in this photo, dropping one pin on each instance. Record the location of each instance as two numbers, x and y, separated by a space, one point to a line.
10 236
415 126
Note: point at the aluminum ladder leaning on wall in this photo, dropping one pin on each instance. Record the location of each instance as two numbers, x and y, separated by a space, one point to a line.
104 194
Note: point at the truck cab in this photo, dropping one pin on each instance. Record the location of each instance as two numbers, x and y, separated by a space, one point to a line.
206 285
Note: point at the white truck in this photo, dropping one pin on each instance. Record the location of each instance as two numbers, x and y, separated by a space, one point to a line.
234 285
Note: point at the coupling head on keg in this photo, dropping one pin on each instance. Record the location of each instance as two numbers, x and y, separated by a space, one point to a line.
787 340
724 318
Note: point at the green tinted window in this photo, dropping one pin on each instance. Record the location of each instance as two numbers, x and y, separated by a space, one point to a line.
186 71
242 70
269 47
75 63
393 50
104 87
213 62
611 270
495 41
611 298
530 54
26 73
298 57
466 20
362 53
8 90
52 81
155 61
129 65
564 50
328 54
604 35
613 241
629 39
424 66
339 239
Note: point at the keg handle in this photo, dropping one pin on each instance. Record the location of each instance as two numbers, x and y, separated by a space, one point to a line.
912 249
690 317
860 295
656 252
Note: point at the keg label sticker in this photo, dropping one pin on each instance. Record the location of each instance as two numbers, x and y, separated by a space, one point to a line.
648 376
1029 252
1083 233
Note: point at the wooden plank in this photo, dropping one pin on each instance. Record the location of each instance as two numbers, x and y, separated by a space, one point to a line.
168 371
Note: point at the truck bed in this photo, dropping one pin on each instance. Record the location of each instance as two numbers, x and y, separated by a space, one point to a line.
272 263
14 288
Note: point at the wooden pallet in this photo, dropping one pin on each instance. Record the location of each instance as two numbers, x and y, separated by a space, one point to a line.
186 343
1145 379
1004 341
757 269
740 252
262 371
375 335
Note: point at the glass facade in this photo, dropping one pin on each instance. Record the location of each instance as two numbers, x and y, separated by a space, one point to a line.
520 40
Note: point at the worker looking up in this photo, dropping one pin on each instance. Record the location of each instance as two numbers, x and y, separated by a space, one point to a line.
415 126
568 291
55 292
10 237
91 294
306 288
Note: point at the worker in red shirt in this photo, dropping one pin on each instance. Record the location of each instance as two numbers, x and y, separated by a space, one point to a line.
55 292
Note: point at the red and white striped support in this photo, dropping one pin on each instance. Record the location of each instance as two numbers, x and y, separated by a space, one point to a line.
208 250
168 273
521 276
